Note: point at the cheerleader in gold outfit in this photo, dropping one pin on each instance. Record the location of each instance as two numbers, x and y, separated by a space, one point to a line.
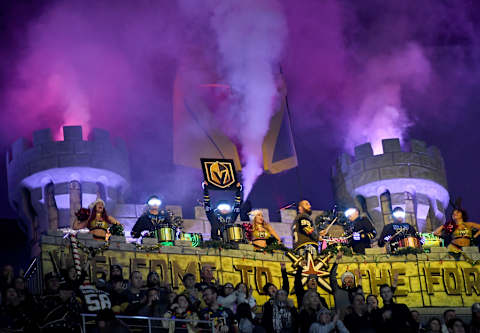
98 221
261 230
460 231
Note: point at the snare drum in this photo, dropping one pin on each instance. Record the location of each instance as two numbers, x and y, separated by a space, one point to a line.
409 242
234 233
165 234
196 239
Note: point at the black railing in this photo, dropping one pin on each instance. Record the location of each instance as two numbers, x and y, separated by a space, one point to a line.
150 324
33 277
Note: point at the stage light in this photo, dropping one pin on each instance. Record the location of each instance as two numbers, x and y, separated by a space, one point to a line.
224 207
399 213
154 202
350 211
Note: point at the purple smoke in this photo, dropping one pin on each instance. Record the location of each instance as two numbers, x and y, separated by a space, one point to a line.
354 71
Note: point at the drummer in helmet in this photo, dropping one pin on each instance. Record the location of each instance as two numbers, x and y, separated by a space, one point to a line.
224 214
397 230
153 218
363 231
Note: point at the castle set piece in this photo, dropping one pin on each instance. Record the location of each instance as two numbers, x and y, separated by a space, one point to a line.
52 181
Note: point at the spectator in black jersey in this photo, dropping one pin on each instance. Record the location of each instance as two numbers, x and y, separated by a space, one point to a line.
359 320
281 317
13 317
393 317
363 231
116 273
456 325
372 303
118 295
271 290
223 318
194 296
311 304
52 283
475 323
64 316
155 306
135 295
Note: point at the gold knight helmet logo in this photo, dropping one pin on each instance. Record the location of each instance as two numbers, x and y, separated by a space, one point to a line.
219 173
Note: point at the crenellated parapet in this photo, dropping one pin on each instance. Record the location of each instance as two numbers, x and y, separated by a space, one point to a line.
414 176
48 179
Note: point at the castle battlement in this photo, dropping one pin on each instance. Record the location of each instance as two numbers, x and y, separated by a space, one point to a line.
414 175
54 178
415 160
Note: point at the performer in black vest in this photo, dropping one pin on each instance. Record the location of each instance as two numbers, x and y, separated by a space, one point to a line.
223 215
363 231
152 219
303 230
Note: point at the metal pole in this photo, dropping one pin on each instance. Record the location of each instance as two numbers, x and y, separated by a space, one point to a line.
83 324
149 326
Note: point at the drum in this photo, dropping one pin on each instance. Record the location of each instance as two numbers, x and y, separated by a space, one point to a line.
165 234
327 241
234 233
430 240
196 239
409 242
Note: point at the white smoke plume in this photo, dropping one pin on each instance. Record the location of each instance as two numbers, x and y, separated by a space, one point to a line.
250 36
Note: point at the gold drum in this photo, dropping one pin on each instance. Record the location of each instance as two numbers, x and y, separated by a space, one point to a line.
166 234
234 233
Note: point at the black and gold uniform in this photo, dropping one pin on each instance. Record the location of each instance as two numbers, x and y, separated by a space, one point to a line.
363 233
217 220
303 232
151 222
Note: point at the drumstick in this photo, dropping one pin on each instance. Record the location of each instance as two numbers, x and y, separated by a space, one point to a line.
395 234
352 234
328 228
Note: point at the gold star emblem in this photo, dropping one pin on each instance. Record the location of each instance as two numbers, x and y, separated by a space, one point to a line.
316 267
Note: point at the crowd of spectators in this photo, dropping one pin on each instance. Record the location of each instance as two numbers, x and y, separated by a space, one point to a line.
201 304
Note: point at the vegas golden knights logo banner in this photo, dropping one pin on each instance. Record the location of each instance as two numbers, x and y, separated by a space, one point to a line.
219 173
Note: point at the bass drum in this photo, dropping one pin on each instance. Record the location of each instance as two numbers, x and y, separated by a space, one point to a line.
234 233
195 238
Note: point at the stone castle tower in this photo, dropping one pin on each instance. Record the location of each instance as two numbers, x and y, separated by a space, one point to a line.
412 178
50 181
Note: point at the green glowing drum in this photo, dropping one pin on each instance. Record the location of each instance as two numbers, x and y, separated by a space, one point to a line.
196 239
430 240
165 234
